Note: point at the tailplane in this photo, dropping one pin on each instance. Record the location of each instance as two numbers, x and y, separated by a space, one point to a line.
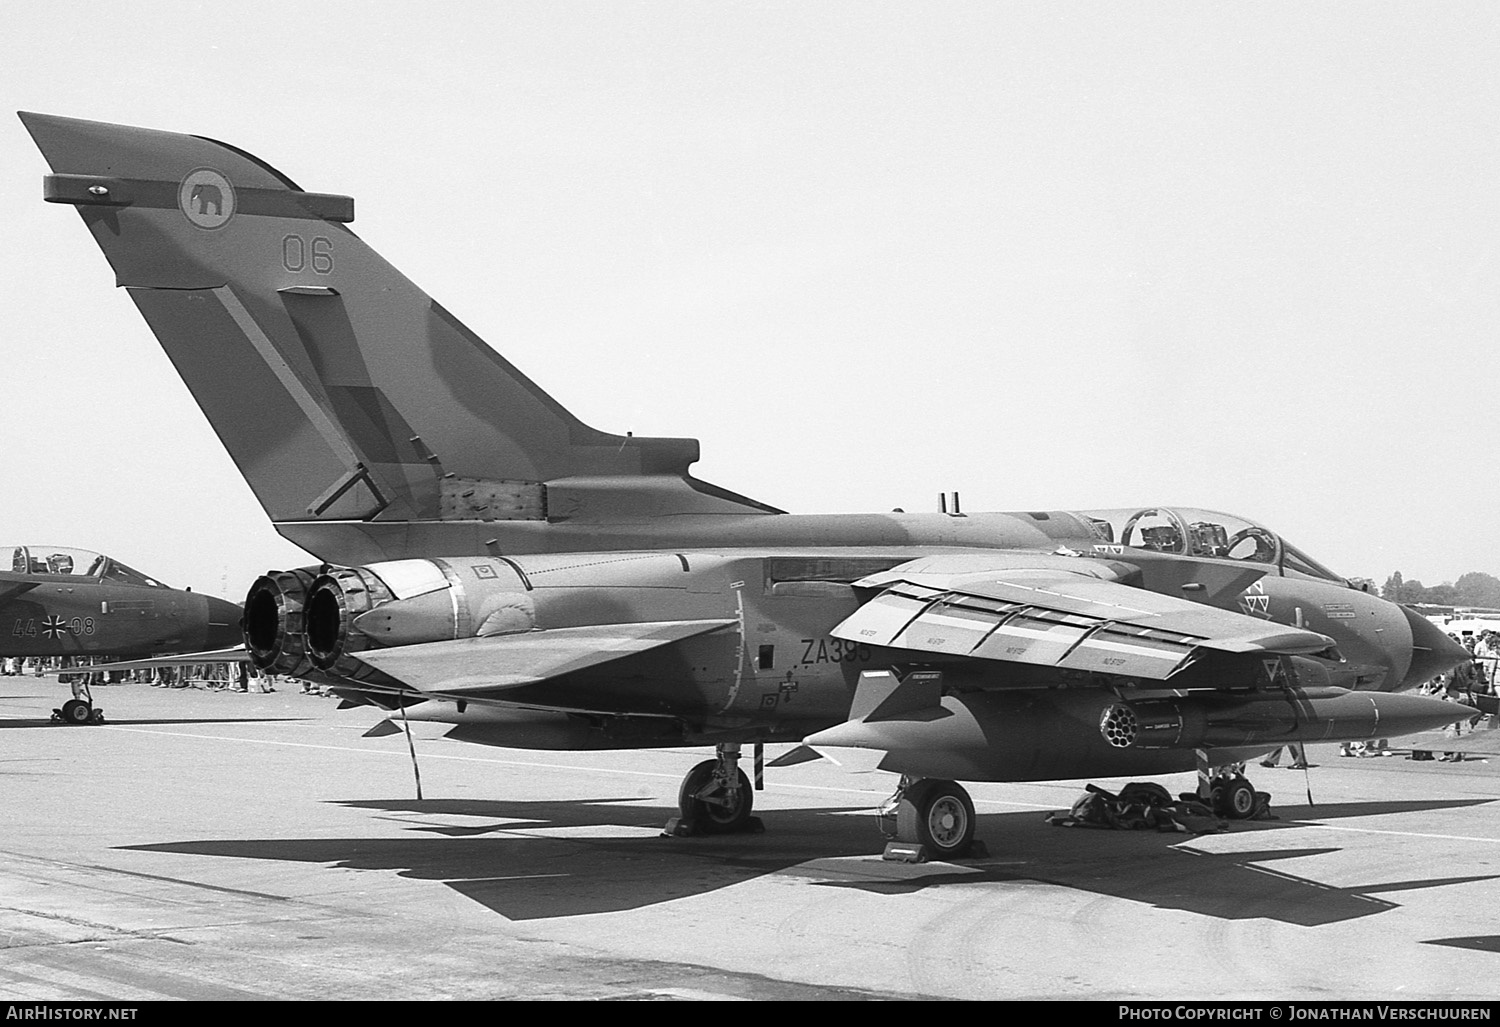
341 390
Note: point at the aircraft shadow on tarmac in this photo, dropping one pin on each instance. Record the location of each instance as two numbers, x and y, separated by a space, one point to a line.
1478 942
112 722
1301 813
491 858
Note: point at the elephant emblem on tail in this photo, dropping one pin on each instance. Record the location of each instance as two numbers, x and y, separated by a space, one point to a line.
206 195
206 198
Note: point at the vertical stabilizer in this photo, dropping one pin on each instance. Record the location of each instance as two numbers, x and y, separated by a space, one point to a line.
341 390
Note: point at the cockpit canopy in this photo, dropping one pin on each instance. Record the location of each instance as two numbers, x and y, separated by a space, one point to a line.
80 563
1207 533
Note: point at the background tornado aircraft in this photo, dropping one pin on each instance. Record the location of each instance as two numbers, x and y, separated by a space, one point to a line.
61 601
492 562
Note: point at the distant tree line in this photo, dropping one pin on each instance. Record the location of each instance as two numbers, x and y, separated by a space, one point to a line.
1475 588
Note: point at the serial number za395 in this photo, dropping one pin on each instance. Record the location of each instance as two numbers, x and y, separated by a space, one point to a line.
833 650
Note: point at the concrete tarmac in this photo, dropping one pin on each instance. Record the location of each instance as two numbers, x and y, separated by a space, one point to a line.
218 845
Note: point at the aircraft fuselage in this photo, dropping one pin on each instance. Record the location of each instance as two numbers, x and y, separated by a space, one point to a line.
774 672
59 615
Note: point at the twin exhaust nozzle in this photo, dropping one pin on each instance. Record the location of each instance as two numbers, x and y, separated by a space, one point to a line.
300 620
315 619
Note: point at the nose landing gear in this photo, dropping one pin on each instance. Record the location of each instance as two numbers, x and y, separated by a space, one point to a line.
78 711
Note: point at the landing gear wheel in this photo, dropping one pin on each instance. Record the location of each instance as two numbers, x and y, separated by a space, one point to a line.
945 817
76 711
714 812
1234 797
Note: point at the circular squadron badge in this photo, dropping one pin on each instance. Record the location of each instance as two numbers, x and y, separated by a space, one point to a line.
207 198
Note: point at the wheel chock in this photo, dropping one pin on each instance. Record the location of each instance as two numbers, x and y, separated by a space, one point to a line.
905 852
677 827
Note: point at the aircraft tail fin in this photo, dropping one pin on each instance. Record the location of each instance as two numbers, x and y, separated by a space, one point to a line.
341 390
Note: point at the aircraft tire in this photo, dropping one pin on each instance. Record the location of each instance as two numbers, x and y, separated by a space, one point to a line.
709 817
945 817
76 711
1234 798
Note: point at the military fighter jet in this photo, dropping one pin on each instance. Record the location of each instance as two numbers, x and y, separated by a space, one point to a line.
60 601
493 563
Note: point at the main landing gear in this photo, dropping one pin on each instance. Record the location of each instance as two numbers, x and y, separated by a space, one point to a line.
715 798
1226 789
928 819
78 711
925 819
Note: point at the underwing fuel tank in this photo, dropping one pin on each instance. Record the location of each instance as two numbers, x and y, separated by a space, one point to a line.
1326 714
1055 734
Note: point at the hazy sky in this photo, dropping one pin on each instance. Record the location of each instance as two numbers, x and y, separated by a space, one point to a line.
1242 257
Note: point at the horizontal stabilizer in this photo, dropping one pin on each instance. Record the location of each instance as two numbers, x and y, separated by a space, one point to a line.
1054 616
234 655
500 662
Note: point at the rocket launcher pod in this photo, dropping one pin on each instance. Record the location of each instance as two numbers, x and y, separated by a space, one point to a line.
1221 721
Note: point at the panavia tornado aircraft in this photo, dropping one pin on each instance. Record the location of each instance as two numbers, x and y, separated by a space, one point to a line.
491 562
60 601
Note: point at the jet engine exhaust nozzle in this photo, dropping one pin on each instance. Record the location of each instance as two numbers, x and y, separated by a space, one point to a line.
274 621
334 600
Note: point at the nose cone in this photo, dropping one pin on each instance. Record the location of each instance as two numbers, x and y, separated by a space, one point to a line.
223 630
1432 652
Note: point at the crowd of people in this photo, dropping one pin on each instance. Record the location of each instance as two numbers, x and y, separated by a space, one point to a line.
222 676
1464 684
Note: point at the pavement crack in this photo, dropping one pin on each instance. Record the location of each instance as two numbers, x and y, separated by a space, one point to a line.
109 932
